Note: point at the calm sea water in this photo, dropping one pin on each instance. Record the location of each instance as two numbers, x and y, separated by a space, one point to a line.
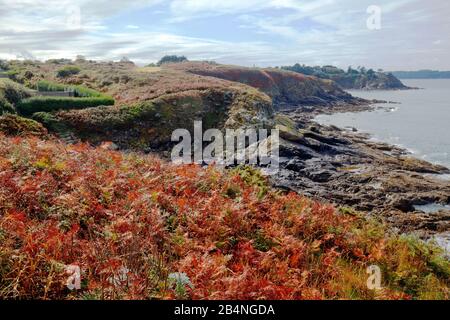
420 123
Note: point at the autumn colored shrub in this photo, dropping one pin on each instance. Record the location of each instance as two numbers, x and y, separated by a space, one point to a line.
139 228
17 126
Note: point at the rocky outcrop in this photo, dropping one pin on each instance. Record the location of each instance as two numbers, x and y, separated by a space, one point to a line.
148 125
348 169
360 78
378 81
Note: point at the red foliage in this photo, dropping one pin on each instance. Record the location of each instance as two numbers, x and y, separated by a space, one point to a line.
108 212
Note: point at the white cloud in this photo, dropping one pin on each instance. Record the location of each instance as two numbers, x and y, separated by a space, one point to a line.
307 31
34 15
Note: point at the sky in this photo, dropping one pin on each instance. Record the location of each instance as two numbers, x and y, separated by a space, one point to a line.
380 34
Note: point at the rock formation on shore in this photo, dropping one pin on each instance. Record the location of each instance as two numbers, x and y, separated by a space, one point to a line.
360 79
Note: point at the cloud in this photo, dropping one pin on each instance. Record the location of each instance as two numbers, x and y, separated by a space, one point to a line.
265 32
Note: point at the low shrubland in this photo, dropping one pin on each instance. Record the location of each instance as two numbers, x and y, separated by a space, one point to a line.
139 228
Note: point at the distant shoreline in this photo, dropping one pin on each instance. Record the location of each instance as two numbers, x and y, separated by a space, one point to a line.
421 74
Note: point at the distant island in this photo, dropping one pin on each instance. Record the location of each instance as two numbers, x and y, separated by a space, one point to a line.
359 78
422 74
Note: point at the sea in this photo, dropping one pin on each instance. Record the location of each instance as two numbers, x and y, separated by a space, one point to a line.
417 120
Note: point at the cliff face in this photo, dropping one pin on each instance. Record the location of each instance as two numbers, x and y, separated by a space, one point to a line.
284 87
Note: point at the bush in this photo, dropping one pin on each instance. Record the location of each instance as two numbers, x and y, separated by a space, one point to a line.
10 94
14 125
4 65
67 71
171 59
5 106
49 104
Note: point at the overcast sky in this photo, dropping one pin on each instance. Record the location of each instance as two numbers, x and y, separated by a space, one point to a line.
414 34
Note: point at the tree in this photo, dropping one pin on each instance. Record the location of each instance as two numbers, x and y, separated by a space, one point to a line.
125 60
172 59
4 65
80 58
68 71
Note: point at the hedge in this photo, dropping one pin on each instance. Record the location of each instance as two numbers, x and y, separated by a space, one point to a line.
45 85
49 104
79 91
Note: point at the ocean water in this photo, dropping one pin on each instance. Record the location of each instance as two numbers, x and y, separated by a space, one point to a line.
419 123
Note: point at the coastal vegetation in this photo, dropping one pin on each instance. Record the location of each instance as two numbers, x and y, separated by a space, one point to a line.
171 59
132 222
138 227
359 78
68 71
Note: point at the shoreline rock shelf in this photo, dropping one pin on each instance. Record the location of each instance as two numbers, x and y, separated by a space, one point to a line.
348 169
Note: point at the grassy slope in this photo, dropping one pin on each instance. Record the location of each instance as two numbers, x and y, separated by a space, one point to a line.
231 235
